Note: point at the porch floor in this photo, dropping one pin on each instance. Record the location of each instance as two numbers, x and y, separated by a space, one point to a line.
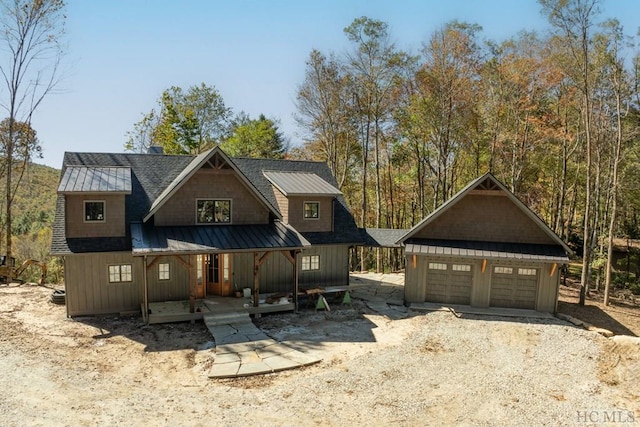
178 311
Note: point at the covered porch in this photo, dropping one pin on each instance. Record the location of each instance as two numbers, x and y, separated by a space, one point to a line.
193 272
179 311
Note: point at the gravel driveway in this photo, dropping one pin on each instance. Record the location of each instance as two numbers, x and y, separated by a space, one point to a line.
407 369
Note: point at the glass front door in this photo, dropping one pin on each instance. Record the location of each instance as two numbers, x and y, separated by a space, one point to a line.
219 274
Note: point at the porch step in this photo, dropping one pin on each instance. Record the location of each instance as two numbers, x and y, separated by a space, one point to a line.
216 319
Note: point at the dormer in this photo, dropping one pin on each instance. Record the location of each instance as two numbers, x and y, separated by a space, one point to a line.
95 200
305 200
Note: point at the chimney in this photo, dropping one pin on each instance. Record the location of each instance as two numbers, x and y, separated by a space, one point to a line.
155 149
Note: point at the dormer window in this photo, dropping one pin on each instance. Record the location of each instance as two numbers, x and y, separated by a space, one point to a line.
311 210
210 211
94 211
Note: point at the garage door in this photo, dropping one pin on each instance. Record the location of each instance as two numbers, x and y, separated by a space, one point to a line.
449 283
514 287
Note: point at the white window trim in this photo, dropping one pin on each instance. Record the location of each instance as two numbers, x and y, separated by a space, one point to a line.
119 273
441 266
310 258
503 269
214 199
160 271
96 221
304 210
461 267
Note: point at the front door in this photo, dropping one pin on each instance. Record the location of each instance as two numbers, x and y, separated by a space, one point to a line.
219 274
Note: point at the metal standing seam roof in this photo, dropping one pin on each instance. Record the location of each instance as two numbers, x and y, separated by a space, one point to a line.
197 239
489 250
91 179
301 184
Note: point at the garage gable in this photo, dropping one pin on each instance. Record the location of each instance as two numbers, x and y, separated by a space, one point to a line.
485 211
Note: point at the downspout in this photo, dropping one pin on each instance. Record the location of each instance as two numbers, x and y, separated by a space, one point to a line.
145 297
296 282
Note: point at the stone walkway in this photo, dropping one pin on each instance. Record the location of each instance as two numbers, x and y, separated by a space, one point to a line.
242 349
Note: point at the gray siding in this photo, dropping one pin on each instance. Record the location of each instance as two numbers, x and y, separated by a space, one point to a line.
276 273
176 288
547 290
334 267
88 290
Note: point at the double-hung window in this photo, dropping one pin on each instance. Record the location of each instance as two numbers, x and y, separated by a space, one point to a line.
213 211
310 262
311 210
120 273
94 211
163 271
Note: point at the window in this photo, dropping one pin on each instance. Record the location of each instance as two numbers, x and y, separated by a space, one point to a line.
94 211
120 273
163 271
213 211
311 210
310 262
503 270
527 271
437 266
461 267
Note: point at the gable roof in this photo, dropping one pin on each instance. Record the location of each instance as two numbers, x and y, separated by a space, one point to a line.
301 184
199 161
155 176
486 180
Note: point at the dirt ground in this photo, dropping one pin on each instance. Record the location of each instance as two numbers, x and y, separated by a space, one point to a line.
401 369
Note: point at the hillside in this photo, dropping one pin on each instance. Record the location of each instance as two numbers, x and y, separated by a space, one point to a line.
35 202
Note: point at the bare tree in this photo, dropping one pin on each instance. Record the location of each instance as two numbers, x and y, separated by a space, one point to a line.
574 19
31 32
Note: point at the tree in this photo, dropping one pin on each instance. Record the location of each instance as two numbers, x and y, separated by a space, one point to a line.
259 138
185 123
325 110
31 33
574 19
373 64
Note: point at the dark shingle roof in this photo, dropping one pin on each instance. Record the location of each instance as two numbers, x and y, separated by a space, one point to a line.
151 174
382 237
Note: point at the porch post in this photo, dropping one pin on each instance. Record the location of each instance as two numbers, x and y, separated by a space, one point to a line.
256 280
145 292
296 281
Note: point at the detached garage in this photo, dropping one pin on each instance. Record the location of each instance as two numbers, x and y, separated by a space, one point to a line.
484 248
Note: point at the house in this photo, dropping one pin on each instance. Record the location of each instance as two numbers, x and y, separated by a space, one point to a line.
484 248
134 229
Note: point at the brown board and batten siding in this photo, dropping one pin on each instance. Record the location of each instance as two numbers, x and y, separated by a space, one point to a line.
176 287
113 225
484 248
276 274
88 291
180 209
334 266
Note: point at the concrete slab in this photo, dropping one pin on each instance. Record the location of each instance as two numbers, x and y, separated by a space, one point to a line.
280 363
249 357
226 358
224 370
247 369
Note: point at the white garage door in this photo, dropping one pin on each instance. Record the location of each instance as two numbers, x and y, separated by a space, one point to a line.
449 283
514 287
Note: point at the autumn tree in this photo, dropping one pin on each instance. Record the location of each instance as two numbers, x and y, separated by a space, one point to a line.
573 20
31 34
325 107
185 122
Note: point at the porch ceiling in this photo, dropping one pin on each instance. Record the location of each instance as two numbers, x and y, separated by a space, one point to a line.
214 238
489 250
